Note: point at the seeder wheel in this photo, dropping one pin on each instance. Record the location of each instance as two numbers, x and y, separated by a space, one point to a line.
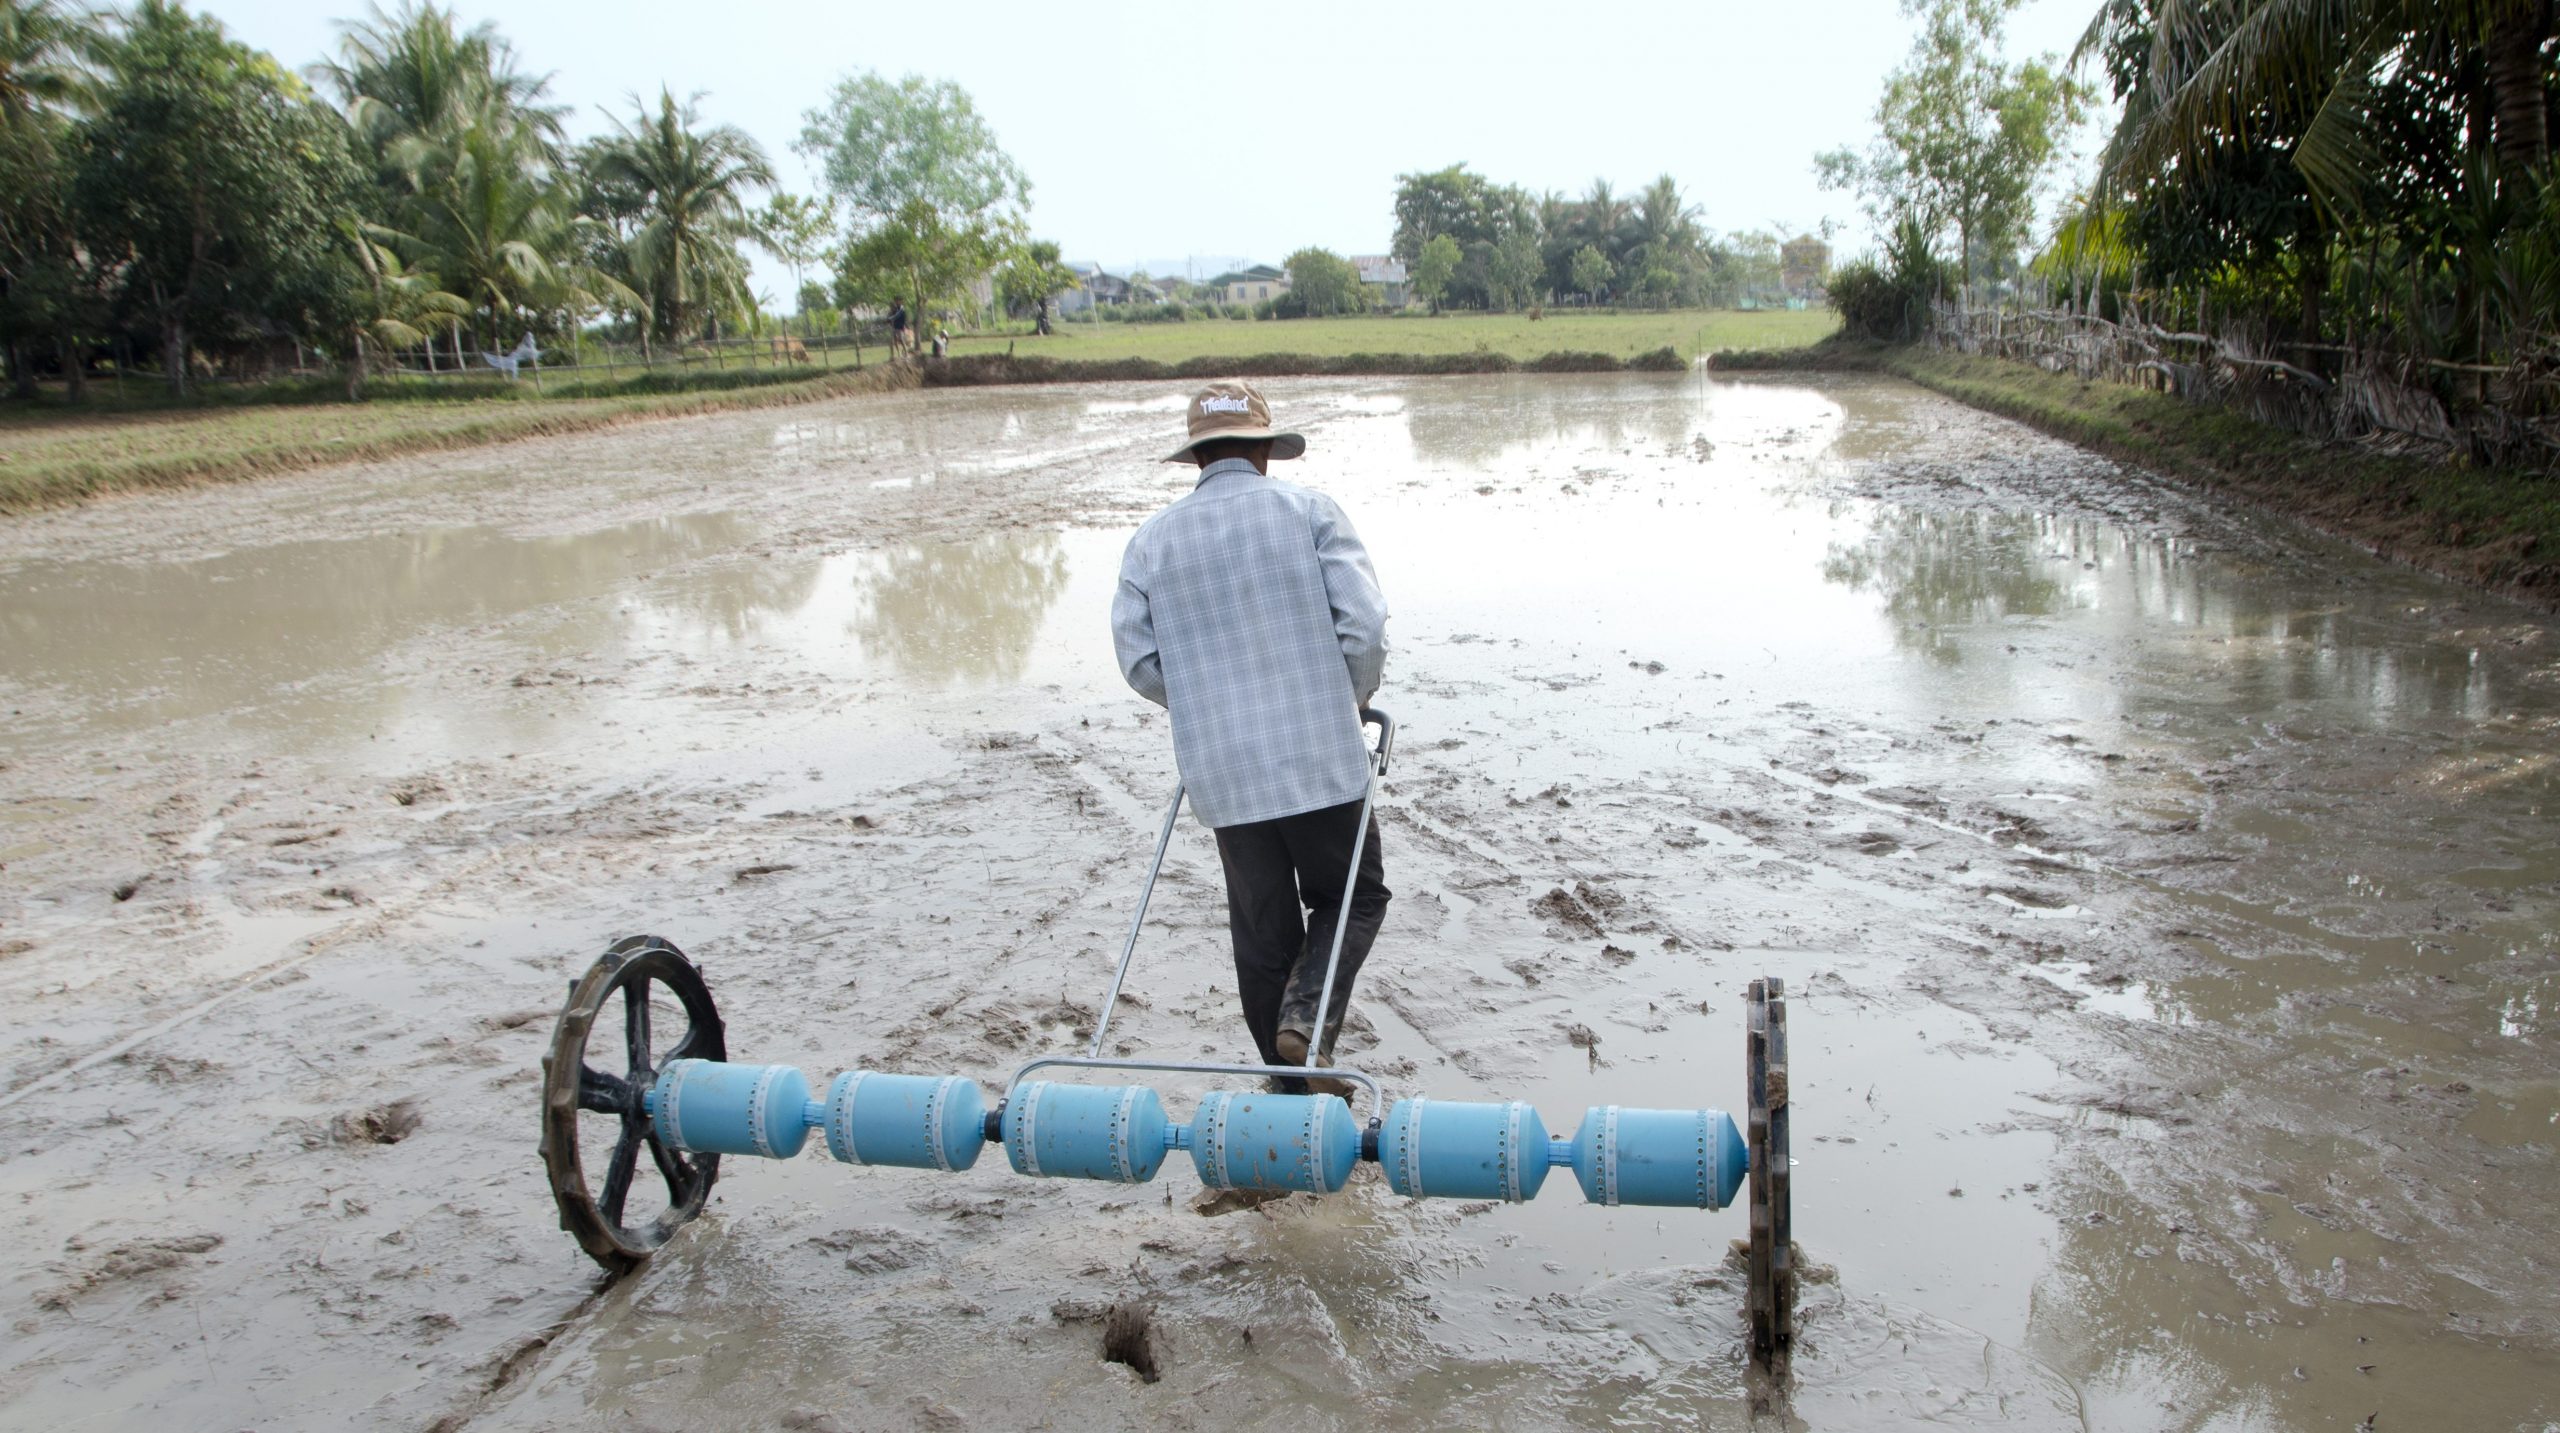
1771 1300
572 1087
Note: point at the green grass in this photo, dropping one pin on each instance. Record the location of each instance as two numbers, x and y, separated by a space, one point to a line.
1690 332
2498 528
52 454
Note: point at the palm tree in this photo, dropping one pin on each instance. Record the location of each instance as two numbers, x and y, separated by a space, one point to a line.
411 82
692 186
398 307
2242 69
499 233
44 49
1603 213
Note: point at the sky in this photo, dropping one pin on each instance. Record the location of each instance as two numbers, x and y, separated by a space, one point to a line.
1154 132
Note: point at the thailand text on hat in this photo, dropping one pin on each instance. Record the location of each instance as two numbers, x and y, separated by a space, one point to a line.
1230 408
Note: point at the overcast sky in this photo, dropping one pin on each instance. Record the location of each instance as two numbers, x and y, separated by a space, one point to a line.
1153 132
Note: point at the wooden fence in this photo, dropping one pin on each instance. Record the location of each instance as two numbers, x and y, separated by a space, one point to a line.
2505 415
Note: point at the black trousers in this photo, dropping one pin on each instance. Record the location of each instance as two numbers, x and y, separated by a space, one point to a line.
1285 882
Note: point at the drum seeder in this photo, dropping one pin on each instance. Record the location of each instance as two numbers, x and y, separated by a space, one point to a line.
689 1105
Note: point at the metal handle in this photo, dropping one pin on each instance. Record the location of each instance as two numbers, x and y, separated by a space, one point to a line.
1386 725
1377 1097
1129 947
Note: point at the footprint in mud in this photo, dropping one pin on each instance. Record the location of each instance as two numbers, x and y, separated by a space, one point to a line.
129 1260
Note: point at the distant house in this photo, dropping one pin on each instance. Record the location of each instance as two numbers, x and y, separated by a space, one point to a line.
1385 278
1804 262
1248 286
1099 288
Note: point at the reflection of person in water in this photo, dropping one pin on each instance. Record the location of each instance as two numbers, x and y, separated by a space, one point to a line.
1249 610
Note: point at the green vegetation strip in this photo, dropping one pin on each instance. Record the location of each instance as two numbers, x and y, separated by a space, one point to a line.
986 368
53 456
2494 528
1624 335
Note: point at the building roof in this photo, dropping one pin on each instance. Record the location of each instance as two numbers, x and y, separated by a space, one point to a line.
1379 268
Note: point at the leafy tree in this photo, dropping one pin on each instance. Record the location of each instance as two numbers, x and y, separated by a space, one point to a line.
1322 283
690 184
44 284
1478 215
1036 277
208 176
1513 269
1432 267
797 230
917 256
885 145
1592 272
1965 135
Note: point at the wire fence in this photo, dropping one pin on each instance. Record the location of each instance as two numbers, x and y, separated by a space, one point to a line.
591 359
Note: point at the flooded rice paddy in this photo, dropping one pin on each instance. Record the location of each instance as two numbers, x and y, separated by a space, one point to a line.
2165 896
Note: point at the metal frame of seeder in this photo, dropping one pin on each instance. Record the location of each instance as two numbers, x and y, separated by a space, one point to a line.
693 1106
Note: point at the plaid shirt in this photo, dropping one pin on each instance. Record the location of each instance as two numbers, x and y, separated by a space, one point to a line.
1249 611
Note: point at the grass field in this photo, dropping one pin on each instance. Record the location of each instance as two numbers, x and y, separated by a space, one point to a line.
1689 331
51 453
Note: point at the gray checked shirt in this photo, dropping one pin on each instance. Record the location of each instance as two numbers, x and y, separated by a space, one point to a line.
1248 609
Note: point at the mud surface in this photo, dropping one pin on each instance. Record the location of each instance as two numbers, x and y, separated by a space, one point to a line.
2166 897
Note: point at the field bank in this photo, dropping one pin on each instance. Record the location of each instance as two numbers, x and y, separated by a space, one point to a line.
2164 897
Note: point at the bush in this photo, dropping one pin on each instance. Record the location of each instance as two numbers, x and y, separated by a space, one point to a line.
1888 302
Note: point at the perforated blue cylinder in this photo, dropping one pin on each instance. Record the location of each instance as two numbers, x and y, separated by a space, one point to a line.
1260 1141
1455 1150
718 1108
914 1121
1693 1158
1113 1132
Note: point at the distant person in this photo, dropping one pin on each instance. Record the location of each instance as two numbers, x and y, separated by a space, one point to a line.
942 340
1248 609
902 338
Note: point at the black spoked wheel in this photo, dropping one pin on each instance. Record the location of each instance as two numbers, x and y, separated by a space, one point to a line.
640 989
1771 1299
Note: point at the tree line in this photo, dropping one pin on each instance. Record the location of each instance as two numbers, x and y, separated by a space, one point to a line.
2356 185
1469 242
167 190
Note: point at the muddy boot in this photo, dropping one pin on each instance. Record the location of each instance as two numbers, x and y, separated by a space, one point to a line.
1293 1051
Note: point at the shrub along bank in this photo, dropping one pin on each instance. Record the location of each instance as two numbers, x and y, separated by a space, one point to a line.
2491 527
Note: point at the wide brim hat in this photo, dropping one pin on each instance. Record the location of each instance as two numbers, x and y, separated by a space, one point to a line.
1232 408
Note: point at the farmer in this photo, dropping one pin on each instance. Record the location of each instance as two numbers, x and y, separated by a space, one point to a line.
1248 609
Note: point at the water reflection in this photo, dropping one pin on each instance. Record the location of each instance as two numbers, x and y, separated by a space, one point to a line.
1941 569
940 612
142 643
1484 422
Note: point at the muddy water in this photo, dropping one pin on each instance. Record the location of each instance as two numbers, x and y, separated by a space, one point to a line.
2166 897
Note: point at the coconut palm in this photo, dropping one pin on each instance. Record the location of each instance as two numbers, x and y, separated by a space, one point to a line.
2258 68
395 307
692 187
1603 214
498 232
411 83
44 47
